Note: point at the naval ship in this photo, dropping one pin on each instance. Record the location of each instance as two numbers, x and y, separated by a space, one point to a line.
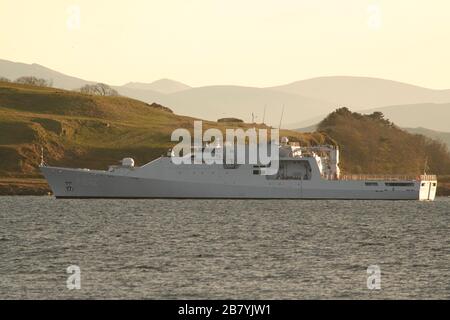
303 173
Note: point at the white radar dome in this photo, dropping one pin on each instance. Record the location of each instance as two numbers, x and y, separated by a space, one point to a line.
128 162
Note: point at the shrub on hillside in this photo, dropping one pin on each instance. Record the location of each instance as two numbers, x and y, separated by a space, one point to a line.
374 145
34 81
99 89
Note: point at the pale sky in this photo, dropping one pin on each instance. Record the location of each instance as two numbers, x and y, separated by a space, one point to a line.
242 42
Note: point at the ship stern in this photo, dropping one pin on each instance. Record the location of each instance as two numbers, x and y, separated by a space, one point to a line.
428 186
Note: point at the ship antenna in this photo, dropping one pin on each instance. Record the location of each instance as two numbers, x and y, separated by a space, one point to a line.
281 118
264 114
425 167
42 157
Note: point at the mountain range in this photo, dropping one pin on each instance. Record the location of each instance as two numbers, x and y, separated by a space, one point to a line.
304 102
165 86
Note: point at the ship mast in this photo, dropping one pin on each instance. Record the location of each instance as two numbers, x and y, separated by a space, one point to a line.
281 118
425 167
264 115
42 164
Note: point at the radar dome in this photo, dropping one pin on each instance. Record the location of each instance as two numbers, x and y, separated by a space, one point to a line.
128 162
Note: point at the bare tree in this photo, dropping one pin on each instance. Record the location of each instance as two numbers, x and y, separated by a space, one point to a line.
3 79
87 89
33 81
99 89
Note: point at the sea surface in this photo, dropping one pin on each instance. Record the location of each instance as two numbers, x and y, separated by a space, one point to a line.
223 249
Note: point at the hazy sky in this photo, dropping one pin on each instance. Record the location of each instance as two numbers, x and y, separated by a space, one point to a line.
245 42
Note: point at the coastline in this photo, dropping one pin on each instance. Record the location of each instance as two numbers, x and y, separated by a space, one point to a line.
24 187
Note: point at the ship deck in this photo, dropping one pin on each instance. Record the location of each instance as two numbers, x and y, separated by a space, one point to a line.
383 177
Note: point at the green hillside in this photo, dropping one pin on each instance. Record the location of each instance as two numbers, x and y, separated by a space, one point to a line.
79 130
373 145
436 135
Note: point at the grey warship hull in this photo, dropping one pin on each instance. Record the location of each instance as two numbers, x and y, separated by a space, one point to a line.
160 180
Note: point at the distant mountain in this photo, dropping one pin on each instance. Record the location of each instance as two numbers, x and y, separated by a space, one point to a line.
165 86
214 102
148 96
306 102
428 115
14 70
438 135
311 128
308 123
360 93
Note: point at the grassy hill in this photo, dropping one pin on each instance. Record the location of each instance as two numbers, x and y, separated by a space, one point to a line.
79 130
86 131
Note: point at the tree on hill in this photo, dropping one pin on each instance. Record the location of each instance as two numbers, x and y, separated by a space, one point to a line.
379 116
99 89
3 79
33 81
371 144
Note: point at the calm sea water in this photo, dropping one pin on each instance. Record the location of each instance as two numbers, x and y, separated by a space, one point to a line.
168 249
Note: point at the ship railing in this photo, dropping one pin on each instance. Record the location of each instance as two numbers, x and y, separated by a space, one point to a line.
382 177
428 177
